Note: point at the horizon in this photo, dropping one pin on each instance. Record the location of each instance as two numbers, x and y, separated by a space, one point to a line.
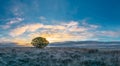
59 20
96 44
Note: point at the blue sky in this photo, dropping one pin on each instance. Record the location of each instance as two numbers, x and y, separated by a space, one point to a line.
55 19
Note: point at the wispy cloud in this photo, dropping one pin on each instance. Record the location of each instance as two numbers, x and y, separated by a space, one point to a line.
11 22
110 33
62 31
5 26
62 36
55 33
42 18
20 30
72 26
17 9
4 39
14 20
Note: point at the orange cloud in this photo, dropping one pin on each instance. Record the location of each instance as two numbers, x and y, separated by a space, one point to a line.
70 31
33 27
60 37
20 30
22 41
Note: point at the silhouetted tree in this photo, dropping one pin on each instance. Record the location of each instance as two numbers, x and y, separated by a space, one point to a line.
40 42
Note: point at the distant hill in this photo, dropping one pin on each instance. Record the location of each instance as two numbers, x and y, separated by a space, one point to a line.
97 44
79 44
9 44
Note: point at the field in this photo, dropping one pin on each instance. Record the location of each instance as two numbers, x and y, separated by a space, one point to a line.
56 56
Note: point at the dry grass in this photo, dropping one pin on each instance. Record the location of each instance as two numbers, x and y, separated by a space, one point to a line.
30 56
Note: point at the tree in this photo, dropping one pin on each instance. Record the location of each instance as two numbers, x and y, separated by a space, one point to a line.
40 42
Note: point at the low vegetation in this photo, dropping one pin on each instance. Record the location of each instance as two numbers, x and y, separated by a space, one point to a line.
58 57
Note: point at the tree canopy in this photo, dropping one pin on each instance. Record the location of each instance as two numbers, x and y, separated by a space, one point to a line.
40 42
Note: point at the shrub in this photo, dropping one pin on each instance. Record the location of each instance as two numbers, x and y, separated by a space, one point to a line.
39 42
93 51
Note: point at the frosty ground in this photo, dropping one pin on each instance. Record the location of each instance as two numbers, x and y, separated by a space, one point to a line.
58 56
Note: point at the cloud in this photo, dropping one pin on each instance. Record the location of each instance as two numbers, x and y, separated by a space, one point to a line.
70 31
4 26
17 9
74 27
20 30
42 18
14 42
60 37
21 41
110 33
65 27
15 20
4 39
11 22
71 23
64 31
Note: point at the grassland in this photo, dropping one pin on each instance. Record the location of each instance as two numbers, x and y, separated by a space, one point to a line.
56 56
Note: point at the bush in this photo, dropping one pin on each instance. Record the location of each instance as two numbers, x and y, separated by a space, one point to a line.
39 42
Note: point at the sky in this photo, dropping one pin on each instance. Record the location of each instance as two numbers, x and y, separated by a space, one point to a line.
59 20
